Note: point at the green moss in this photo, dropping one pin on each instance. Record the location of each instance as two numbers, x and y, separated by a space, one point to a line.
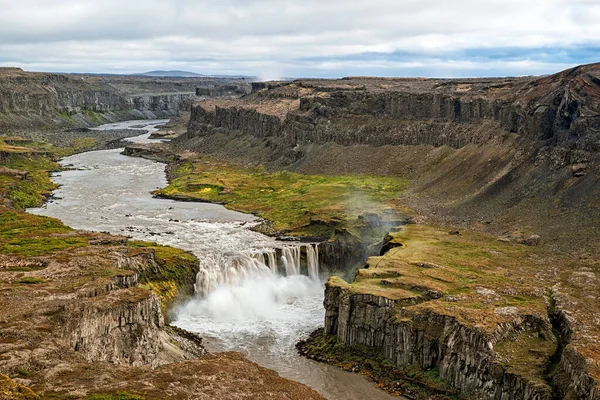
39 246
30 280
526 355
15 224
93 115
175 264
66 116
31 191
306 205
27 235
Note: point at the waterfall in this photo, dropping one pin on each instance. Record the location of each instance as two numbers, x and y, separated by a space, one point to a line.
290 256
272 260
312 261
217 271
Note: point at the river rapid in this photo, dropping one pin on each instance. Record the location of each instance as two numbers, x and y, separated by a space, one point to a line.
255 295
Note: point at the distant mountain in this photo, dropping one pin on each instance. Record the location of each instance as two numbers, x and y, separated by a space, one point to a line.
172 74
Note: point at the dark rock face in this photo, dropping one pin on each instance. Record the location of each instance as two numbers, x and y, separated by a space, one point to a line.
39 99
562 109
228 90
463 355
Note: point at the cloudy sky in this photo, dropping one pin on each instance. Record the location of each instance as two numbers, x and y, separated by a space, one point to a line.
295 38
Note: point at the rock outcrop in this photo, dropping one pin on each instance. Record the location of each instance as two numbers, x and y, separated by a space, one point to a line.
487 333
559 108
463 355
88 321
38 100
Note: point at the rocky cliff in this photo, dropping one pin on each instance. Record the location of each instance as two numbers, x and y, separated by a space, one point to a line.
492 335
560 109
83 314
480 150
41 99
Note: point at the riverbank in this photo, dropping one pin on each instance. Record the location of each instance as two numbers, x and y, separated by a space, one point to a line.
83 313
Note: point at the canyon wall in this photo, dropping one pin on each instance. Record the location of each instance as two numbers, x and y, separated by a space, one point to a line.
559 109
30 100
464 355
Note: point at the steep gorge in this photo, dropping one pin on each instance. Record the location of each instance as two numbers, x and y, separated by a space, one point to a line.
515 158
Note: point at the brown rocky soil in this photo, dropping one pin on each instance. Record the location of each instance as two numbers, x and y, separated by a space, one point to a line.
75 323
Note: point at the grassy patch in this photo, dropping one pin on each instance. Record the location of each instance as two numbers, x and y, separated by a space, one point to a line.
527 354
93 115
31 190
39 246
301 204
27 235
473 278
66 117
174 264
176 269
30 280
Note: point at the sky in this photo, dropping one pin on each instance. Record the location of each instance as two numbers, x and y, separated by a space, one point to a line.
301 38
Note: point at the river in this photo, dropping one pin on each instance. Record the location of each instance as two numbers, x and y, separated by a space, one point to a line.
246 303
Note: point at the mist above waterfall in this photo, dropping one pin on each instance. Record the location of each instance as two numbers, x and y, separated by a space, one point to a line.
264 297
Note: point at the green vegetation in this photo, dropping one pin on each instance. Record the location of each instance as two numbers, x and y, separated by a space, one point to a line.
30 280
473 278
27 235
174 264
527 354
66 116
409 381
473 267
25 180
31 189
311 205
9 389
93 115
176 269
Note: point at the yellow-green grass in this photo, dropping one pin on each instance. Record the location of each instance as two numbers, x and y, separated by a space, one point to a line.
300 204
480 271
473 278
26 235
37 160
176 269
9 389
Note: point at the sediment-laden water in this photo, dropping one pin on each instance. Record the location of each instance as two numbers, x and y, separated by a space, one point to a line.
255 295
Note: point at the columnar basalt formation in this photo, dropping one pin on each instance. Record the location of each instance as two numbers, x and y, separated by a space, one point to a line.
489 335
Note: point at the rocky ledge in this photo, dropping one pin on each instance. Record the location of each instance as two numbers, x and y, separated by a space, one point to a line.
483 316
83 315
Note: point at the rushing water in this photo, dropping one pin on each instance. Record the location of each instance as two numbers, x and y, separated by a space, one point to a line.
255 295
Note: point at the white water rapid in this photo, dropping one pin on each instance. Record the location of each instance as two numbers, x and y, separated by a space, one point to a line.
255 295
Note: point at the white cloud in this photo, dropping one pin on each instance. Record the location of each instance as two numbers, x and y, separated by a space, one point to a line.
248 36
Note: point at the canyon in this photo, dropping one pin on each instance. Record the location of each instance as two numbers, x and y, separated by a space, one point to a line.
30 101
515 158
460 218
